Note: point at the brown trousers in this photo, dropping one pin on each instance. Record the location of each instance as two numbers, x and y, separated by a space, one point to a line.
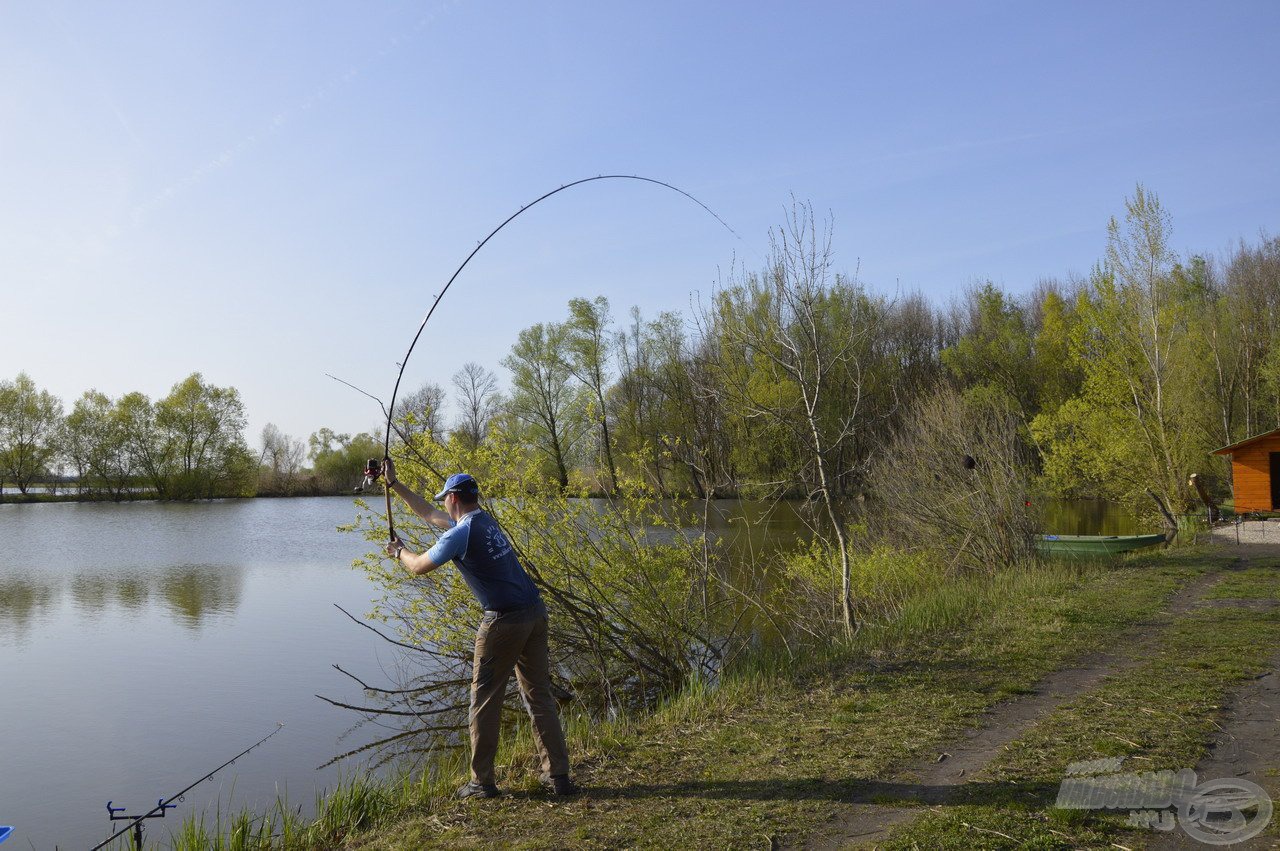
505 641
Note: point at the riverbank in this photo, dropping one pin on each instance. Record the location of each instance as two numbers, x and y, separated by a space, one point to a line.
29 498
819 751
149 496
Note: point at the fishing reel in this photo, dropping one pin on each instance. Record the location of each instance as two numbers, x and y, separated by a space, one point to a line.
372 472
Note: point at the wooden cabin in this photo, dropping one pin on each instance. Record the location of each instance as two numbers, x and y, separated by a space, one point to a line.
1255 472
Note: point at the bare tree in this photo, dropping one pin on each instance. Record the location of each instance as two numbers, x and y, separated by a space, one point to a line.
282 455
1245 313
422 412
477 400
791 362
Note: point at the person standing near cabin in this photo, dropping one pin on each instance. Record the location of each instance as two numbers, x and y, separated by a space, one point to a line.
512 634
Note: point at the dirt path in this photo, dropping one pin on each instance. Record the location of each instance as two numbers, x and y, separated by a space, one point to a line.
869 820
1247 746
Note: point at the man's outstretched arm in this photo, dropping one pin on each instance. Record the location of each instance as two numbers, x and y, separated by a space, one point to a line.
416 503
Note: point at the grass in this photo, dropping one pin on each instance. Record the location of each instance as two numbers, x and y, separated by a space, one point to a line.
360 803
1157 716
1256 582
782 743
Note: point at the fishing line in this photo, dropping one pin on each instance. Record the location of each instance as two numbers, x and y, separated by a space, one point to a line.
386 443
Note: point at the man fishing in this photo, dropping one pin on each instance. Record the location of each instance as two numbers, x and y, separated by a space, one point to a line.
512 633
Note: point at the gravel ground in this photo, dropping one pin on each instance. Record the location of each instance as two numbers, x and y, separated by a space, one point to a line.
1256 534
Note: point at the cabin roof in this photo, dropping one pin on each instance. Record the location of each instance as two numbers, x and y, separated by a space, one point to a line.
1227 450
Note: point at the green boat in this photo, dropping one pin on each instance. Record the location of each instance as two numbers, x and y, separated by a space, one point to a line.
1083 546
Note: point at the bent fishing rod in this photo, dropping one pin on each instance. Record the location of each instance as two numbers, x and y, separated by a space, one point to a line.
372 472
165 803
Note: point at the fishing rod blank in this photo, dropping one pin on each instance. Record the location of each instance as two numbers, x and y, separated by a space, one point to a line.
386 443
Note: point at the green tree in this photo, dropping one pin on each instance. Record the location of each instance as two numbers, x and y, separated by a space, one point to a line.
146 450
638 402
1056 372
203 429
1138 422
93 442
338 459
994 352
30 420
77 439
586 353
544 399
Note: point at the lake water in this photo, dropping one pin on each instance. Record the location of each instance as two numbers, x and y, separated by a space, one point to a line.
143 644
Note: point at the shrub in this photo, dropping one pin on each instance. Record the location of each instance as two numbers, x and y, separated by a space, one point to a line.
957 481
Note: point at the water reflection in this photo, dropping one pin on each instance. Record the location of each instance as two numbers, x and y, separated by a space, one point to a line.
93 592
1091 517
190 594
22 599
747 527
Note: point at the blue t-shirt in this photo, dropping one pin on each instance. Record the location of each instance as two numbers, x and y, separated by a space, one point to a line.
487 562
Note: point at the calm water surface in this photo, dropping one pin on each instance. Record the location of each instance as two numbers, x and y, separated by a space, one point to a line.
1092 517
143 644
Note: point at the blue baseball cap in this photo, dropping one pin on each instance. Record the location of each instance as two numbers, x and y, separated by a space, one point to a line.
460 483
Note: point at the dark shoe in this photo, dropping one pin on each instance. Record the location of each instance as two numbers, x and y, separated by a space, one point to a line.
560 785
479 790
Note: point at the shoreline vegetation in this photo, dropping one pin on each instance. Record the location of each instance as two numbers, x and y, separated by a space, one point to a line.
65 494
774 752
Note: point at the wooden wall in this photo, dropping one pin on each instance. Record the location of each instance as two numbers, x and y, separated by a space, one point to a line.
1251 474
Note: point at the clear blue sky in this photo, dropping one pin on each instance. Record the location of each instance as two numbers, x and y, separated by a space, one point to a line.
269 192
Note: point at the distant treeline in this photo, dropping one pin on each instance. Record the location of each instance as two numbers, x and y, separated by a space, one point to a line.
790 379
188 445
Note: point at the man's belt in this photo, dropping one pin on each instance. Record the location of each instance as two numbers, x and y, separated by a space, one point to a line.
509 610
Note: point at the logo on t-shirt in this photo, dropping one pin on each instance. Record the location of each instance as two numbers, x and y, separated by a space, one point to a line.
497 546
